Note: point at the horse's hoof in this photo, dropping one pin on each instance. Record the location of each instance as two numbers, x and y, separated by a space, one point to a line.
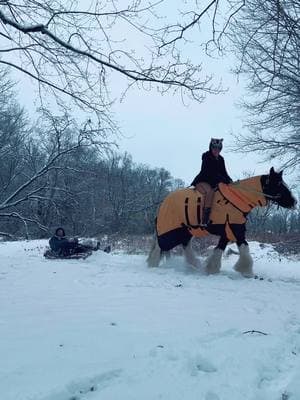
248 275
212 270
245 274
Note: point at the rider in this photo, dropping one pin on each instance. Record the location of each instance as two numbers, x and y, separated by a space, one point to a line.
213 171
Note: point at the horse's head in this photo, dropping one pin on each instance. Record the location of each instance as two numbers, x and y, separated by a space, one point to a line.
276 190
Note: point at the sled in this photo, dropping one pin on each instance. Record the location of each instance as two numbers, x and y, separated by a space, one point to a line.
51 255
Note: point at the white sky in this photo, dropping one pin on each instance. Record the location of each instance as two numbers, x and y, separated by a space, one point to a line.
162 132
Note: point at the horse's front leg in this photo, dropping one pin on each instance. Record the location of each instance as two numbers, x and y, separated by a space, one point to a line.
244 264
213 263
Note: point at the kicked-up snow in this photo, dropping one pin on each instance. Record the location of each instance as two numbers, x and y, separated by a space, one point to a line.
109 328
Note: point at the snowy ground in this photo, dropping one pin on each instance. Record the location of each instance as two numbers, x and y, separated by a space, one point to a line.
108 328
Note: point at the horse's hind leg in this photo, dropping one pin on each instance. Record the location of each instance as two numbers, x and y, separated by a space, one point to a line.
167 255
190 256
213 263
244 264
155 254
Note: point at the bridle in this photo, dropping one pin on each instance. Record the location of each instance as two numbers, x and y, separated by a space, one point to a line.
268 195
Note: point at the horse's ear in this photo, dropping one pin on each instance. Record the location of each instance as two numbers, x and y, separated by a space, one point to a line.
280 174
272 171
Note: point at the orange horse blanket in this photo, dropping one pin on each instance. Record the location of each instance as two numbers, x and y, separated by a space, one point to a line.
231 204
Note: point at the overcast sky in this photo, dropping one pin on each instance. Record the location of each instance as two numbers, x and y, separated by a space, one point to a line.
162 132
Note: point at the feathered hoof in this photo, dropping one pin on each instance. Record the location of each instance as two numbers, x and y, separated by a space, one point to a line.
246 273
213 263
245 262
154 257
212 270
153 262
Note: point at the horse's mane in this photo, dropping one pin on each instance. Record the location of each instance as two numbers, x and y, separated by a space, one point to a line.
247 181
245 194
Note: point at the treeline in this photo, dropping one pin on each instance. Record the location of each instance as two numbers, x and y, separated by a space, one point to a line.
274 220
56 172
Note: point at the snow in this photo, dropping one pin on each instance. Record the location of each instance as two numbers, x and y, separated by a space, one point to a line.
110 328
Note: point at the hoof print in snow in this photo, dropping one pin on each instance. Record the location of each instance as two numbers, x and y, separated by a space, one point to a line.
206 367
200 364
81 390
160 346
285 396
91 389
113 324
211 396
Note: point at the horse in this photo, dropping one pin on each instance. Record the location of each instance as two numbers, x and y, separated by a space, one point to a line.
179 219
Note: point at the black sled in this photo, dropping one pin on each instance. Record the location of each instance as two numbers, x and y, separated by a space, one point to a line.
51 255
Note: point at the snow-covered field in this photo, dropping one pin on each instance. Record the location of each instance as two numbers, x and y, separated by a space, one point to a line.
109 328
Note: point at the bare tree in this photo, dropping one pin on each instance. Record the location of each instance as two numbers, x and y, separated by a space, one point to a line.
132 194
266 36
34 166
59 172
78 48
